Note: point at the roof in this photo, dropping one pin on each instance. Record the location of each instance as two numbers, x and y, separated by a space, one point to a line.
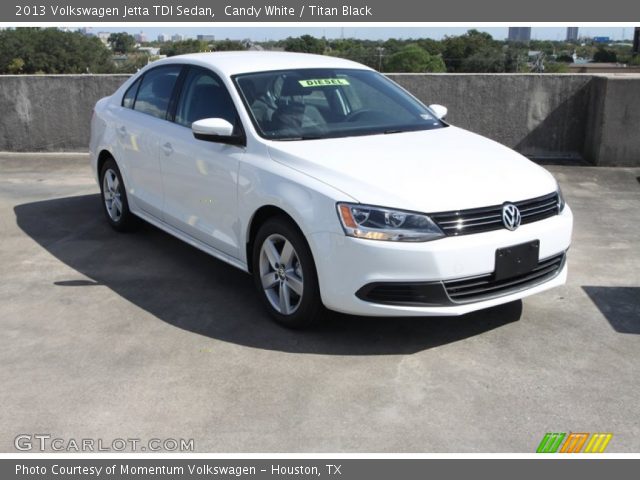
232 63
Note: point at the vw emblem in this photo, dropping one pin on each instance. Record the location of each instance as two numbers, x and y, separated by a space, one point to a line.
510 216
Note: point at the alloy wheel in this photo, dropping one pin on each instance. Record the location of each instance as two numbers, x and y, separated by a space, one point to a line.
281 274
112 194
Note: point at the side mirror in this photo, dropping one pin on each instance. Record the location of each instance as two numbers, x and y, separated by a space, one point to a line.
439 111
216 130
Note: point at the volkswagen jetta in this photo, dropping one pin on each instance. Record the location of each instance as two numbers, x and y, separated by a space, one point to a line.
329 183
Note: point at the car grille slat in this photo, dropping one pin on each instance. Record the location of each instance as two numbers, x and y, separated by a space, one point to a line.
482 287
476 220
494 217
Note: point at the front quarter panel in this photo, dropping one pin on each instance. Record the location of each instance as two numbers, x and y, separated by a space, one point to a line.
311 204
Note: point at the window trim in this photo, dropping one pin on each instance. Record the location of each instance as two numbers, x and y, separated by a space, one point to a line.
136 83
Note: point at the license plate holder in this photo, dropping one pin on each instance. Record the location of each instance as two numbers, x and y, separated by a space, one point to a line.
516 260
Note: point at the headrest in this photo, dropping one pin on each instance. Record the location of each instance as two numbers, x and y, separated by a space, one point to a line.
291 87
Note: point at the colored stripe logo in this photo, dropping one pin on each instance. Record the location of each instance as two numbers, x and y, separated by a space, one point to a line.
573 443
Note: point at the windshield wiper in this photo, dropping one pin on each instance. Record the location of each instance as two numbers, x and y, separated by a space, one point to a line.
305 137
387 132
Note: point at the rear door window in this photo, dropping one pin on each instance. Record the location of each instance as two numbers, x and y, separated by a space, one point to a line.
156 89
130 95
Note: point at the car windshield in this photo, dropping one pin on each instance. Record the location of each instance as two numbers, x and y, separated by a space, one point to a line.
307 104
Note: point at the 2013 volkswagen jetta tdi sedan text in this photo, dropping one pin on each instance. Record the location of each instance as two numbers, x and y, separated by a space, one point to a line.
329 183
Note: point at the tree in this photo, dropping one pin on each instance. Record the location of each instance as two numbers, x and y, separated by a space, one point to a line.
564 58
304 44
414 59
228 45
555 67
184 46
121 43
457 49
49 50
362 51
16 65
605 56
486 61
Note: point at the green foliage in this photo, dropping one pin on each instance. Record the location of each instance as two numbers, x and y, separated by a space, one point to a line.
227 46
133 63
414 59
16 65
368 52
304 44
555 67
564 58
487 60
183 47
121 43
605 56
479 45
49 50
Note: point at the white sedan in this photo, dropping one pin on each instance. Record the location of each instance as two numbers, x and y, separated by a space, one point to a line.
330 184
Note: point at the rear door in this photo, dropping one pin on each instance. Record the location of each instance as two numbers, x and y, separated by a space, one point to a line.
145 107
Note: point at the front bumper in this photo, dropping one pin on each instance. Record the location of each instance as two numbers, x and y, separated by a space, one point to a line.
347 266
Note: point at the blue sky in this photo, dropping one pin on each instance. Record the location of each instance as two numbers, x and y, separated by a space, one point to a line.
258 33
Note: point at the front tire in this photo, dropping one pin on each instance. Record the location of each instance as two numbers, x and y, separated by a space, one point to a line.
114 198
285 274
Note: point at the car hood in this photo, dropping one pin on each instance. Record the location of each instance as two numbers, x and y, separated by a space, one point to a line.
429 171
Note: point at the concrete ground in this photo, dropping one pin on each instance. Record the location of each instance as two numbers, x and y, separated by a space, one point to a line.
108 335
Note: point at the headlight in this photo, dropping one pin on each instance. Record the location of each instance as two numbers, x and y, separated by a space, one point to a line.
561 202
376 223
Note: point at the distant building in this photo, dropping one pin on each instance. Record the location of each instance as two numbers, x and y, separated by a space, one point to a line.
572 34
151 51
176 37
104 37
519 34
636 40
163 37
141 37
206 38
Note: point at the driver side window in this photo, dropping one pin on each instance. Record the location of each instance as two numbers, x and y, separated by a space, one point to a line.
204 96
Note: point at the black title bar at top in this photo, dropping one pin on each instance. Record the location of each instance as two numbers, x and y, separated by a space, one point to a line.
332 11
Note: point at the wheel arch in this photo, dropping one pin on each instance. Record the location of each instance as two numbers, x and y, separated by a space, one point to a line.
260 216
103 156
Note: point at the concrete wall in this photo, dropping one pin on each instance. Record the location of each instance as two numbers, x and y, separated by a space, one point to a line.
50 113
538 115
594 117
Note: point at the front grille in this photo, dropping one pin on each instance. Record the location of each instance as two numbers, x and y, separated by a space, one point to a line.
483 287
476 220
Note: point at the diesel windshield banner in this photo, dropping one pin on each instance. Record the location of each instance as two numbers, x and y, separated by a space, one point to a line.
57 11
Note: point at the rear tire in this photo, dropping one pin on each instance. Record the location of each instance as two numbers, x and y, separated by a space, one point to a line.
285 274
114 198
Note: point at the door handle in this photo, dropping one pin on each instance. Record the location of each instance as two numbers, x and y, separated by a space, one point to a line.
122 131
167 148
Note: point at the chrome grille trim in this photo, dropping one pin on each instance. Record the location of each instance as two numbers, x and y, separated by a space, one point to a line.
476 220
